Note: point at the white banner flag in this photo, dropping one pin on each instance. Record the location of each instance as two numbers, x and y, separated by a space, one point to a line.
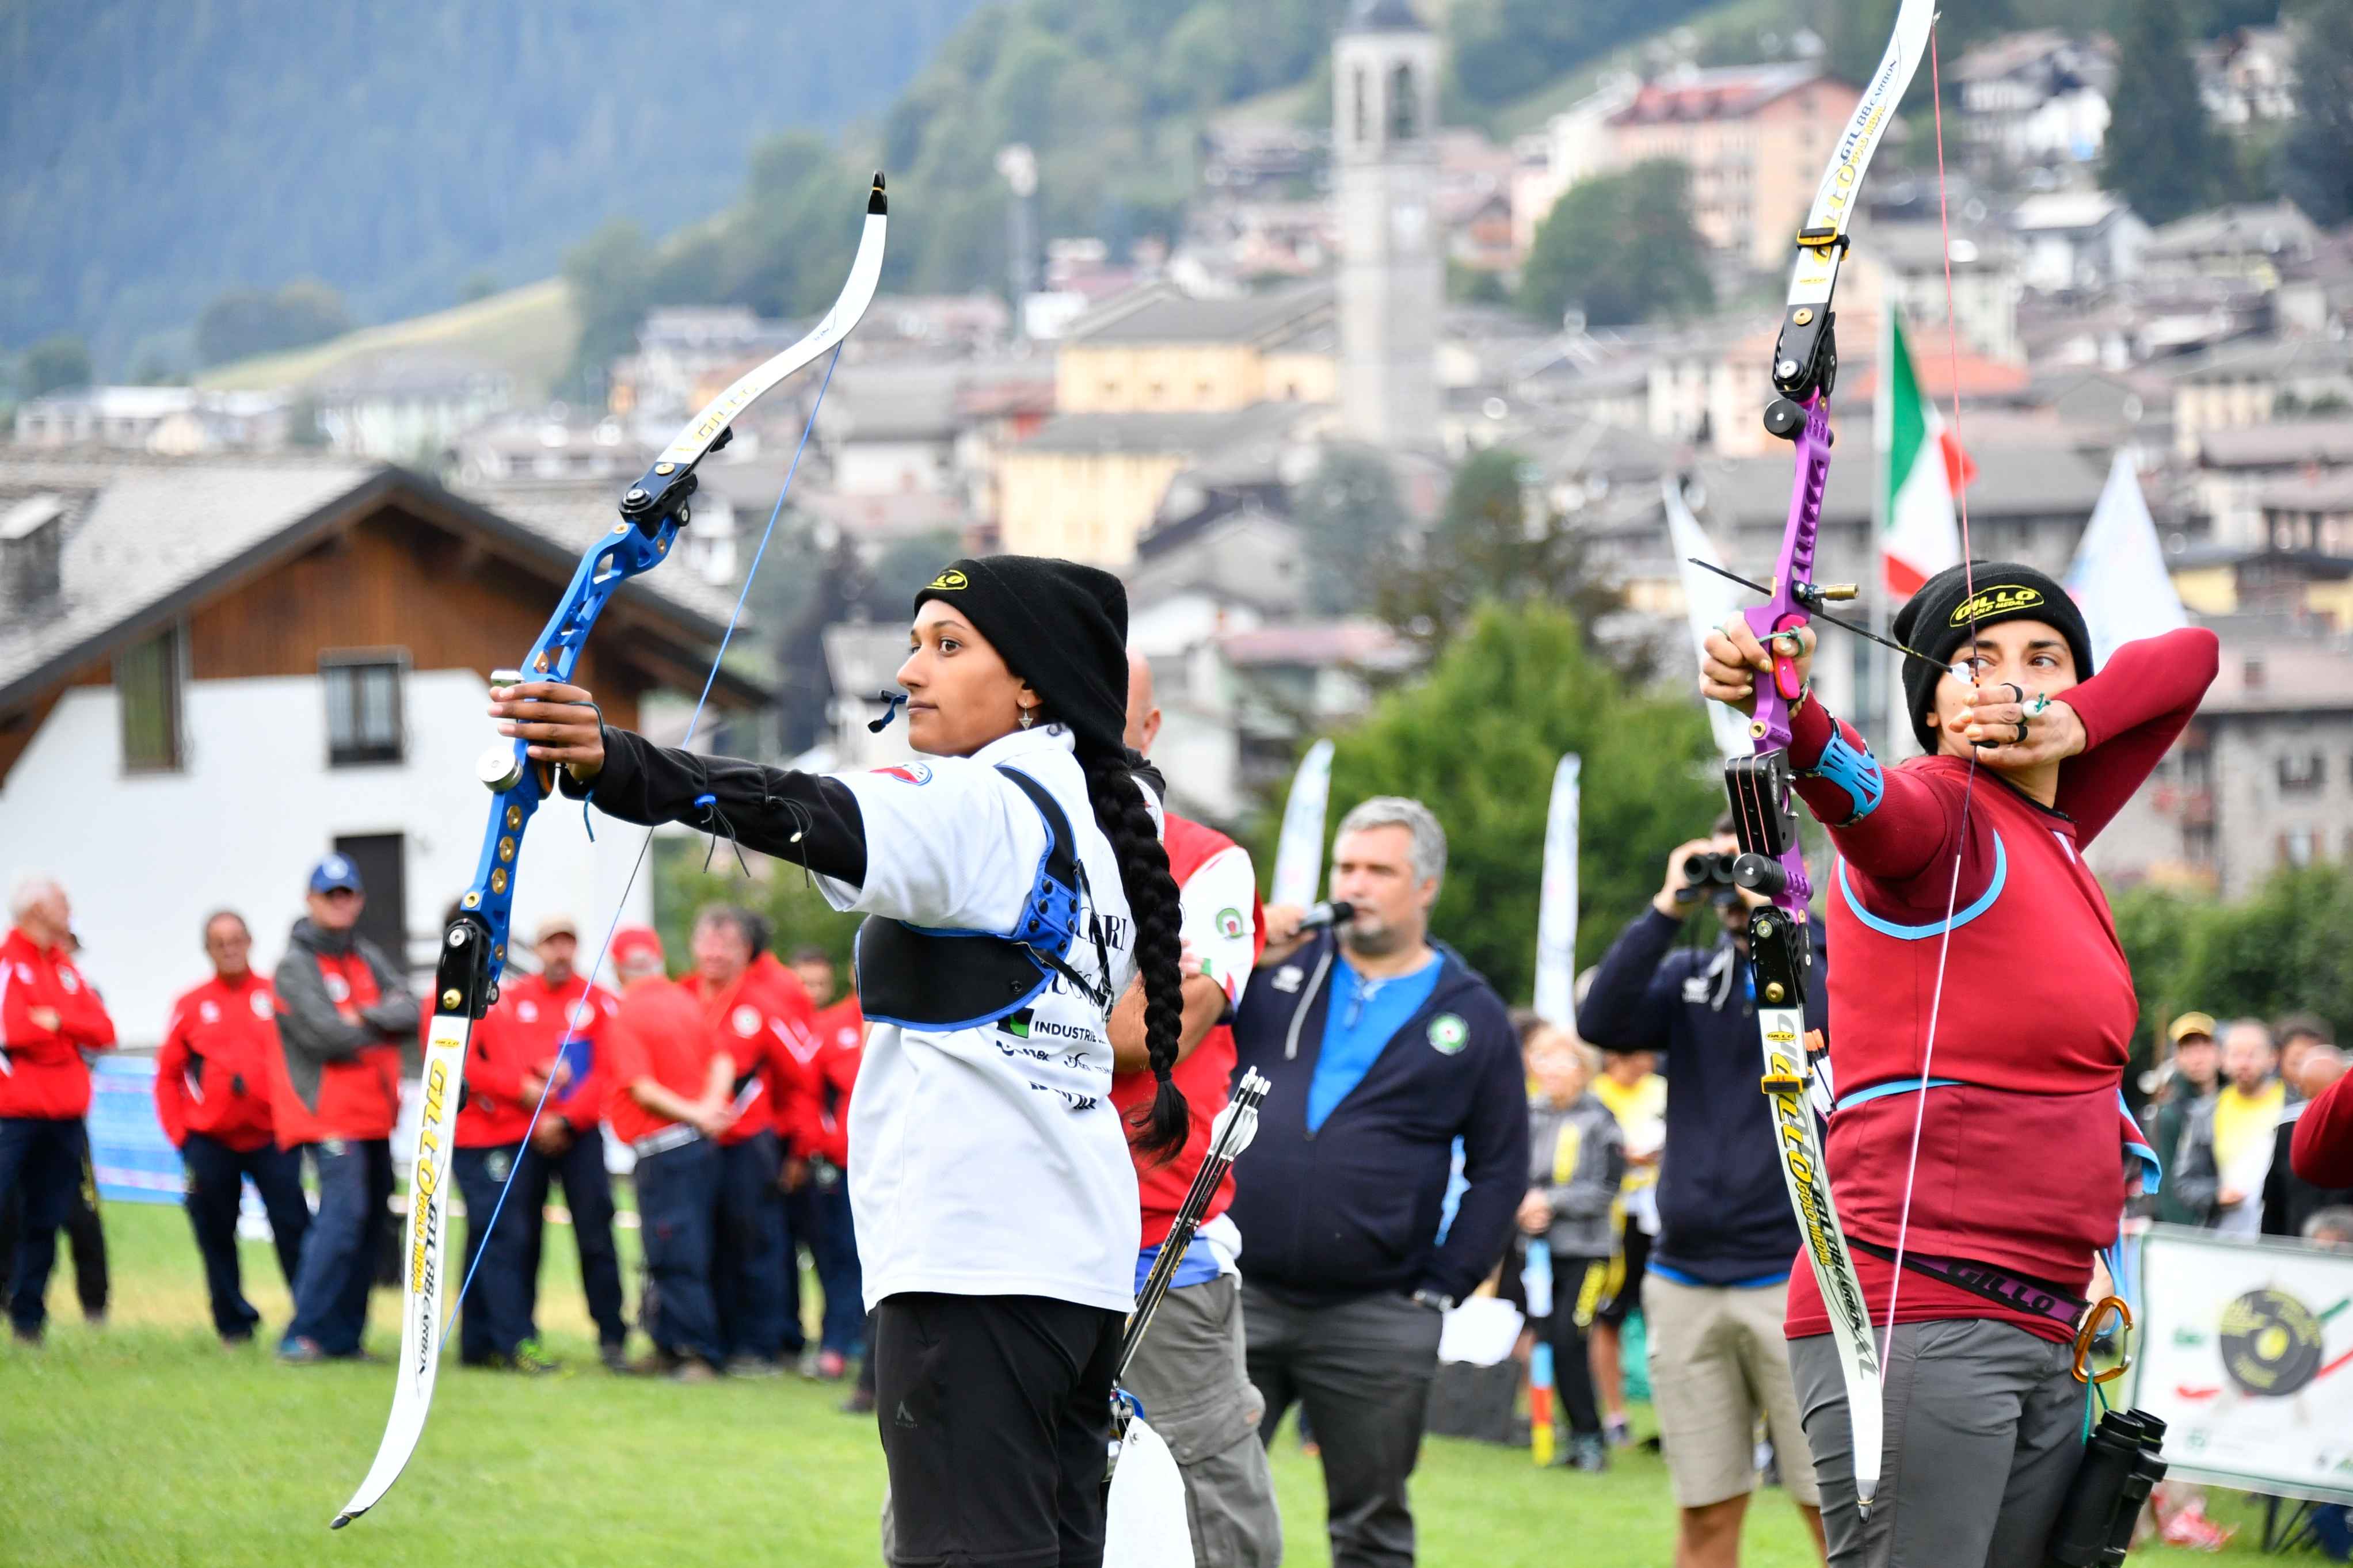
2119 578
2246 1355
1556 914
1299 854
1709 601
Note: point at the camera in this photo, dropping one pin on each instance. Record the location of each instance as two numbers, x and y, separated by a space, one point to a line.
1708 873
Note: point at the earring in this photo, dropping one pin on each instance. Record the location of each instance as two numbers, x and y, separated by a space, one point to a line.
1028 717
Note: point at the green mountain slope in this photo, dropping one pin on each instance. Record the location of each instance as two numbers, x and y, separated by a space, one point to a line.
158 154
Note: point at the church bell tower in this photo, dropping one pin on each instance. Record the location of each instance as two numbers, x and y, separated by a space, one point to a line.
1392 267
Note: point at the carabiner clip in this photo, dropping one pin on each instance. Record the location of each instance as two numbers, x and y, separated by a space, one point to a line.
2090 1331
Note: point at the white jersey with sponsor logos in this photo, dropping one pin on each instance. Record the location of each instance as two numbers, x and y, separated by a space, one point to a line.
990 1162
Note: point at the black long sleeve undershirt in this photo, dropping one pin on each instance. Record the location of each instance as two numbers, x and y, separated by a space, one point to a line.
807 818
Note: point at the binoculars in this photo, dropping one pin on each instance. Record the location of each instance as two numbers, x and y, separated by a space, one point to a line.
1707 873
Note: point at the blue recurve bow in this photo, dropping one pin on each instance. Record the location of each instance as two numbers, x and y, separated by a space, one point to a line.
474 948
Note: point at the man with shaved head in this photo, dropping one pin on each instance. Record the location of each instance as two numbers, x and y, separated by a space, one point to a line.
1188 1371
49 1017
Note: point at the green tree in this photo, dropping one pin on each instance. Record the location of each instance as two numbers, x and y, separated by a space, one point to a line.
2275 952
611 277
1621 248
2164 156
1349 515
2316 157
247 322
54 364
1502 50
1477 743
1498 541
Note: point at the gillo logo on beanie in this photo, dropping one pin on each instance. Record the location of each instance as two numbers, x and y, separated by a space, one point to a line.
948 581
2007 599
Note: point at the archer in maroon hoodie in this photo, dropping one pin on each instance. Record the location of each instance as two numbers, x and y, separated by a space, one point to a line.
2024 1154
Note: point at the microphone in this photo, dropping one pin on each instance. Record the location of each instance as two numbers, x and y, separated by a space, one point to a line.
1338 912
891 701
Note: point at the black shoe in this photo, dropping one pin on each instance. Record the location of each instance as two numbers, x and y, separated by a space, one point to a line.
1588 1453
615 1357
859 1402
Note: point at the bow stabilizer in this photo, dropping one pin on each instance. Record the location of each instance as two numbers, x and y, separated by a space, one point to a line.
474 947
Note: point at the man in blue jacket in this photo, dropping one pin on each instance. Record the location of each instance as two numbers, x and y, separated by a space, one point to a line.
1718 1282
1383 1052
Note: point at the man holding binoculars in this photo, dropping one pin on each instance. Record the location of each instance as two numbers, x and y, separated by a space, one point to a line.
1719 1271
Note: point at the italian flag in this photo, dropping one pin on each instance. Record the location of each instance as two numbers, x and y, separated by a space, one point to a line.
1925 468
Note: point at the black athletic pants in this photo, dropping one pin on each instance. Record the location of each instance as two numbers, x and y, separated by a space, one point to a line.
994 1414
215 1181
47 1183
588 1194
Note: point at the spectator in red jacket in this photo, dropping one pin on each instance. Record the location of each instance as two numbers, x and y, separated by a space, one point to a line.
672 1079
212 1095
564 1018
507 1075
342 1012
758 1297
817 1197
48 1016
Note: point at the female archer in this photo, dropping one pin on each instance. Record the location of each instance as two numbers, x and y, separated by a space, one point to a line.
1014 886
1978 1130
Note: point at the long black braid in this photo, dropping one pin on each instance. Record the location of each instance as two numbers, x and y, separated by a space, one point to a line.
1159 1129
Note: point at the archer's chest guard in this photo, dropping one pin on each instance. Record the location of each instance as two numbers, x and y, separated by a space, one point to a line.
939 980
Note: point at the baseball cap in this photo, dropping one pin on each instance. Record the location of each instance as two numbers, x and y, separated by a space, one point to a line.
2190 1023
554 925
634 944
334 871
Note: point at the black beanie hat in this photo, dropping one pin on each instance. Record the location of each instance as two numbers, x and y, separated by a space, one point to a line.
1059 626
1950 605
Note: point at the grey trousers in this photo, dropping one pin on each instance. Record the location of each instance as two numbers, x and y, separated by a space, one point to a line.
1984 1432
1188 1374
1363 1370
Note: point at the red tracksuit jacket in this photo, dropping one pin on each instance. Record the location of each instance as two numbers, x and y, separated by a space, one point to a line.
522 1034
42 1075
1204 1076
212 1075
841 1044
765 1024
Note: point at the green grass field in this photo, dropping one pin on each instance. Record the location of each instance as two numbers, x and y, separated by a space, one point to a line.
146 1445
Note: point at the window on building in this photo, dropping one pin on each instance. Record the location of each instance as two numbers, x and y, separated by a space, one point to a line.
2299 846
2300 775
1405 112
2198 768
148 676
2198 843
363 709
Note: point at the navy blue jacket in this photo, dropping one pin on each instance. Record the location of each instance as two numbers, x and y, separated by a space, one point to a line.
1723 1209
1353 1208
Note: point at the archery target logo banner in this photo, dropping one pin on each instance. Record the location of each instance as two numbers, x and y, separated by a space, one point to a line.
2247 1356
